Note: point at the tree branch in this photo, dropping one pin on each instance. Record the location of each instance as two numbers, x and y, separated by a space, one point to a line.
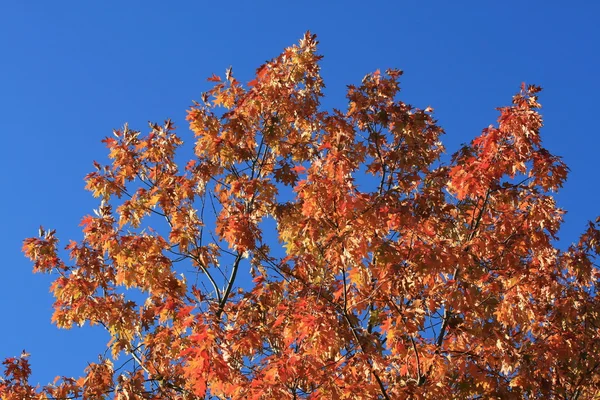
448 311
231 281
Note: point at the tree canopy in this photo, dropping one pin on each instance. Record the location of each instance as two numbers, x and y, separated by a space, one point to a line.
303 253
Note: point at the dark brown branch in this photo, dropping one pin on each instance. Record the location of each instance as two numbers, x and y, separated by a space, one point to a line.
358 339
448 311
230 283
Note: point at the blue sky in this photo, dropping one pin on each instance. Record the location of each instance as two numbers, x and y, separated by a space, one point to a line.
71 71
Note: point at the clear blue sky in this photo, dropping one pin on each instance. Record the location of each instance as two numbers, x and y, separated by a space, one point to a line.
71 71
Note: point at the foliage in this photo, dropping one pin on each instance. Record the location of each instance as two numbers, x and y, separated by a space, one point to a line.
395 276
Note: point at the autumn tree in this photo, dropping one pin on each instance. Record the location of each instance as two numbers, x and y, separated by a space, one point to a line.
303 253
